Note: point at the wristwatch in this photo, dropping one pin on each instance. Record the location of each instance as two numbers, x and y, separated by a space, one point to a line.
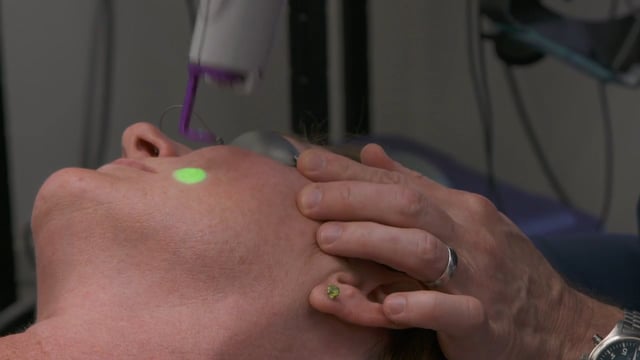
622 343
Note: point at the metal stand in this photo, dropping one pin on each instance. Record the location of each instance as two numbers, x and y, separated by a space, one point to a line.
14 316
309 79
308 58
7 266
356 63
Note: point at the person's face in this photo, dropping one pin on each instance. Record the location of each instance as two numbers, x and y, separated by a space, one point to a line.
237 235
242 219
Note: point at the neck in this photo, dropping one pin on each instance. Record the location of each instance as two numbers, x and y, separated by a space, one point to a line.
228 331
186 332
24 346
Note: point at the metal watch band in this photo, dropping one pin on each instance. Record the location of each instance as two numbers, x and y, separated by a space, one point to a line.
631 323
629 326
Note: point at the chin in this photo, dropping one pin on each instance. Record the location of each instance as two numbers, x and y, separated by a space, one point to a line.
63 192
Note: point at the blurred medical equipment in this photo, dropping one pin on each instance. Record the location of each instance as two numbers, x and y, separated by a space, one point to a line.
526 31
232 39
233 51
608 49
231 44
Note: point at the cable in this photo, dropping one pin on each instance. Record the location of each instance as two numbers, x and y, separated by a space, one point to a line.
534 141
540 155
629 40
609 169
607 123
478 70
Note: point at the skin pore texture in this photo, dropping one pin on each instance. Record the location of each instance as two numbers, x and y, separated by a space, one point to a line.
132 264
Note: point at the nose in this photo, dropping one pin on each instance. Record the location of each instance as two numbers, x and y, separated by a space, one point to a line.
143 140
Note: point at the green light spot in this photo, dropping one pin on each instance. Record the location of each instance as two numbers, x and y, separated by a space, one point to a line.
190 176
333 292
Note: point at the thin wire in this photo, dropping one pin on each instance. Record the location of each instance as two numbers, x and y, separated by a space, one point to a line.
609 168
607 124
219 140
629 41
534 141
478 70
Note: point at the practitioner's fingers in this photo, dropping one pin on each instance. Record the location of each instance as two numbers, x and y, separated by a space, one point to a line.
322 166
389 204
453 315
415 252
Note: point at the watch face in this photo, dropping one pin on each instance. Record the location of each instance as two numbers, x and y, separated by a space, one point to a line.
621 350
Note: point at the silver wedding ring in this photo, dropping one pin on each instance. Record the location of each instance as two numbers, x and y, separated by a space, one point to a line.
452 264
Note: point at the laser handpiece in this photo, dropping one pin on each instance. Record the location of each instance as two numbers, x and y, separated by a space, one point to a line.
231 43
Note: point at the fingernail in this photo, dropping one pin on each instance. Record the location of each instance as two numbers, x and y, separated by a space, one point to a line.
329 233
313 162
310 198
396 305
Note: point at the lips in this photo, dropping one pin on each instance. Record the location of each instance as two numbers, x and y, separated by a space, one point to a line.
133 164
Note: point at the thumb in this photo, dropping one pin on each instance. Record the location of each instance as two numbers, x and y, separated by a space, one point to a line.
453 315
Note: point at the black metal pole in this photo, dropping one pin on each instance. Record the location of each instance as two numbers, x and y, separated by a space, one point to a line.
308 59
7 270
356 66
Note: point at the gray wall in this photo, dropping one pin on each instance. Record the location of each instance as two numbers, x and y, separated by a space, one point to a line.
420 79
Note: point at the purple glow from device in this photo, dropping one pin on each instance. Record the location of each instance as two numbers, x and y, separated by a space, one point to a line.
220 76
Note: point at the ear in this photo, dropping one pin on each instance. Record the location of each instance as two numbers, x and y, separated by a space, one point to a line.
363 288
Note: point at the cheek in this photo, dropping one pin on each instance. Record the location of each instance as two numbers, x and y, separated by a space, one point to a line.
237 227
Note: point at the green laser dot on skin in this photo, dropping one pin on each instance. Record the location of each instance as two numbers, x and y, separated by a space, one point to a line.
190 176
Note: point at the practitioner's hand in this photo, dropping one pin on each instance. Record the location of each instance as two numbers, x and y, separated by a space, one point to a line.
504 301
